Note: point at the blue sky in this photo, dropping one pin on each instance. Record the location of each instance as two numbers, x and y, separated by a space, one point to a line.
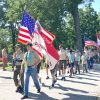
96 5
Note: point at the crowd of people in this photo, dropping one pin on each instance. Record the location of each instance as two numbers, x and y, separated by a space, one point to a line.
70 62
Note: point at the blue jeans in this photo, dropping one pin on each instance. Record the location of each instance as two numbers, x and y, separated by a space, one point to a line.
30 71
88 63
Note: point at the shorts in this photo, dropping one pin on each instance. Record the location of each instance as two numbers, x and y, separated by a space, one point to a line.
71 64
4 60
62 64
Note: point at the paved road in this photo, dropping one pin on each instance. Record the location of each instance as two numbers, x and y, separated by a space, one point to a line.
80 87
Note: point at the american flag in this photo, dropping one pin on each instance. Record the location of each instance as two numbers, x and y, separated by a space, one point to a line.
90 43
26 30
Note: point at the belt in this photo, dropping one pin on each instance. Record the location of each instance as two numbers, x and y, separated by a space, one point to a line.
19 60
18 65
29 66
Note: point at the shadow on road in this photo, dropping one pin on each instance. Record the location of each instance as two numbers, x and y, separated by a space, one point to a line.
79 77
79 82
58 86
41 96
5 77
71 89
78 97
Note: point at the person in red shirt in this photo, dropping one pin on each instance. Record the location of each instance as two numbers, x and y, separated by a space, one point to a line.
4 58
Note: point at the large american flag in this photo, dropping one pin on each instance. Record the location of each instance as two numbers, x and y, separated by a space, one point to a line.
26 30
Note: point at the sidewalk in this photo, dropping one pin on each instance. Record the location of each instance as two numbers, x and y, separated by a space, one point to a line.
80 87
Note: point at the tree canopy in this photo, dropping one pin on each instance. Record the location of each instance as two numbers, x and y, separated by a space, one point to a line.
63 18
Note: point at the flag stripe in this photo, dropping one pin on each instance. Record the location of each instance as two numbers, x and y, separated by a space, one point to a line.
24 29
48 34
90 43
22 41
23 35
25 39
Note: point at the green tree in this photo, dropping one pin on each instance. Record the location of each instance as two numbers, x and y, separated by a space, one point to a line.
3 9
5 39
72 7
14 14
89 22
52 15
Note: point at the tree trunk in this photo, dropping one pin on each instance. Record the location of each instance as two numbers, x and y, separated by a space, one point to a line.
13 36
75 15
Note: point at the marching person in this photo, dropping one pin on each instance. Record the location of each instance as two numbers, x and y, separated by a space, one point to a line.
38 72
18 57
71 62
84 62
77 61
62 61
13 61
32 60
47 68
54 75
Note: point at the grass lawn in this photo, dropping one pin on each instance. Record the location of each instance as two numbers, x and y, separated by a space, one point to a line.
9 67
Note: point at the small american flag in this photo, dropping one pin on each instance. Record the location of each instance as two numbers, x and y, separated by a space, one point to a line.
26 30
90 43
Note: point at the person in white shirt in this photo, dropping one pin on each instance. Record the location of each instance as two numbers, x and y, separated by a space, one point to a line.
77 61
71 62
84 62
62 61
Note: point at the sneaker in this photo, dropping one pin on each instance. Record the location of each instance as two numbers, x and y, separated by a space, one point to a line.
24 97
55 81
19 89
70 76
38 91
47 77
52 85
64 79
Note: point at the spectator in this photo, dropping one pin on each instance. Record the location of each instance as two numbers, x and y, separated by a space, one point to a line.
4 58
